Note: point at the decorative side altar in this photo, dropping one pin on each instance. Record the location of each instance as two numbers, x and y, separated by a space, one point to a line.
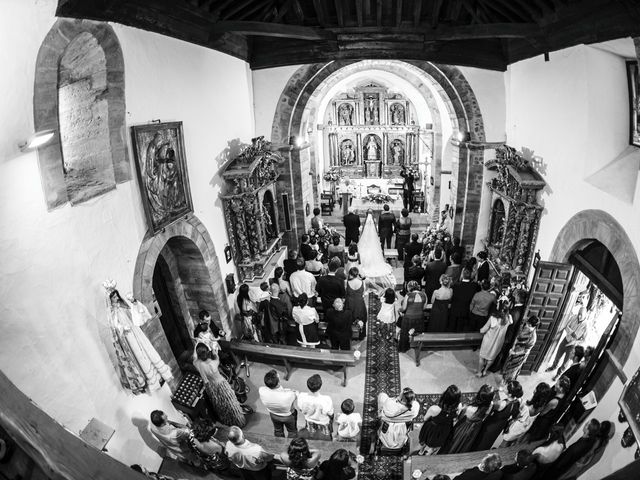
515 212
250 208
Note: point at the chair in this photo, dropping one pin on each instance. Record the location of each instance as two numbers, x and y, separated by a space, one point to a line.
373 189
326 203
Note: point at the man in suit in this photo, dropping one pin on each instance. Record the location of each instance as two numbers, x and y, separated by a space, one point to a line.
577 367
463 292
306 252
488 469
483 267
410 250
575 451
386 226
351 223
523 469
433 270
330 287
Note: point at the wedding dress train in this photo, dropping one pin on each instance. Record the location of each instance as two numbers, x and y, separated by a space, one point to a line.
378 273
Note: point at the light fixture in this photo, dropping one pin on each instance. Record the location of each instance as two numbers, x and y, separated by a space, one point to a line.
37 139
463 136
296 141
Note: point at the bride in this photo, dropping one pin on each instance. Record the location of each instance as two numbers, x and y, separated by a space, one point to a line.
378 273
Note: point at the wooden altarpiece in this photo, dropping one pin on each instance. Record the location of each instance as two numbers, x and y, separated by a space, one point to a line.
250 208
515 213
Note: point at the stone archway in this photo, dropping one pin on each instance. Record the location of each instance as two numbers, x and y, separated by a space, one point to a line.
601 226
461 104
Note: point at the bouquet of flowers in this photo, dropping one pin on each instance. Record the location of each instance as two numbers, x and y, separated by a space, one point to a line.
411 172
378 198
430 237
331 175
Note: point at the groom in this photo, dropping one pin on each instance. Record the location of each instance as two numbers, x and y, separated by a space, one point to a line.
386 226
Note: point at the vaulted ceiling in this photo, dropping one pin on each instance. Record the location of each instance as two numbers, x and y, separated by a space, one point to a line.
268 33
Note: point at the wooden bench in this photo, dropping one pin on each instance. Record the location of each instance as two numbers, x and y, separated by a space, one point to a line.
444 341
456 463
290 354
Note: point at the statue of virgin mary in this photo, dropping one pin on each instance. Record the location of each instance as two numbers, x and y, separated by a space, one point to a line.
378 273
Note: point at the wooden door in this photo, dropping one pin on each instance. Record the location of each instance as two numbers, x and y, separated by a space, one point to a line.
549 290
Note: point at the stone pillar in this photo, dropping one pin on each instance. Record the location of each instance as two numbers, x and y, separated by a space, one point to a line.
359 159
384 154
334 151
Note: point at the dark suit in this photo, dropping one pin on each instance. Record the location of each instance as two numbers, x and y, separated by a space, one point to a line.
289 266
411 249
463 293
573 373
516 472
330 287
351 223
339 328
307 252
475 474
386 226
571 455
483 272
432 273
414 272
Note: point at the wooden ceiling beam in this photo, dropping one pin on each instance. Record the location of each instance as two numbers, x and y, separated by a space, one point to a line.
278 30
262 7
359 15
435 13
379 13
417 12
530 7
216 8
320 13
297 9
238 7
472 11
282 11
339 12
444 33
455 9
398 13
506 10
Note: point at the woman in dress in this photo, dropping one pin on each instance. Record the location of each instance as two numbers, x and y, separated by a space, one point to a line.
389 314
438 421
519 426
440 301
249 313
302 461
524 342
224 401
335 249
353 257
552 447
139 363
403 232
285 288
547 416
466 430
307 320
494 332
502 412
396 418
337 467
209 450
354 300
412 308
606 432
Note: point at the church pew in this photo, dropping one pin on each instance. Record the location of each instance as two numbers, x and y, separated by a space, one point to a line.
444 341
290 354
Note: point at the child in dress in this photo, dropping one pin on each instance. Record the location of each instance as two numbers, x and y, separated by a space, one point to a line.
389 314
348 422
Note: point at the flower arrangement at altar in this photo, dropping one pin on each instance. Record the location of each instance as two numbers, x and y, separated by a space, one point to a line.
411 172
431 236
378 198
332 175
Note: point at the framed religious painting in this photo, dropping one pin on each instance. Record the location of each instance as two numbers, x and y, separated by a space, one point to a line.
158 149
634 106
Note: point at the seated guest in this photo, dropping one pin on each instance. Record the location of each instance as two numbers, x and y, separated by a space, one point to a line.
552 447
317 410
307 320
438 421
349 422
519 426
396 418
302 281
306 252
302 461
315 265
252 460
480 306
575 451
339 323
335 249
289 265
462 294
523 469
466 430
489 469
577 366
415 272
549 412
455 269
173 436
208 449
279 402
329 287
337 467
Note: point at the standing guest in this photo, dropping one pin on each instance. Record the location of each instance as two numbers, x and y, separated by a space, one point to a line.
403 232
412 308
524 342
173 436
337 467
307 320
353 257
389 313
302 461
315 266
433 270
414 247
547 416
575 451
456 248
519 426
577 367
329 287
252 460
349 422
355 299
396 418
223 399
281 320
484 271
454 270
208 449
440 301
472 265
302 281
278 274
502 413
516 312
351 223
335 249
523 469
438 421
480 306
386 226
465 432
339 322
575 333
494 331
317 410
488 469
551 448
284 297
248 309
605 434
462 294
415 272
316 221
289 265
306 252
279 402
206 323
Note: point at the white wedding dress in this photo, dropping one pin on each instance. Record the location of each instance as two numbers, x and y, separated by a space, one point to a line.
378 273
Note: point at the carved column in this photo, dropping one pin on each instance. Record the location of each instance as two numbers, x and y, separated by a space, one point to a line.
240 229
384 156
359 148
523 241
334 152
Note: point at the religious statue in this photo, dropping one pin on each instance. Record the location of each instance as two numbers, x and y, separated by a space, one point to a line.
397 153
347 155
397 114
345 114
371 110
269 228
372 148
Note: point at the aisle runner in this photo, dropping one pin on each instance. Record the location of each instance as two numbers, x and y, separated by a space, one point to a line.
382 374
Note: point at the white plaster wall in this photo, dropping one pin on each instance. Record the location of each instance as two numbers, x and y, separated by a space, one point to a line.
572 112
489 89
53 263
268 85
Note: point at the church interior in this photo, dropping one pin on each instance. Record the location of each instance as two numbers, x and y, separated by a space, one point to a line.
161 159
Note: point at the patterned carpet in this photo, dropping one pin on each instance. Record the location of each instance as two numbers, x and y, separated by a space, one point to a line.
382 374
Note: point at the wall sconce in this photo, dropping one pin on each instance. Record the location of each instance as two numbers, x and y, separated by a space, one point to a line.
230 282
296 141
431 181
36 140
463 136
